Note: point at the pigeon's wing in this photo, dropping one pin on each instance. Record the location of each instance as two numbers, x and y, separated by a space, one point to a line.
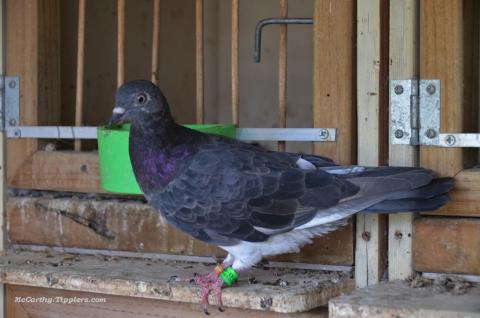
233 191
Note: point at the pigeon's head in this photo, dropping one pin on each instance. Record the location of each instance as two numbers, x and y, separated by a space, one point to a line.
138 102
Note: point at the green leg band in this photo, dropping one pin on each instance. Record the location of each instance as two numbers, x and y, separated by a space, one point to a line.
229 276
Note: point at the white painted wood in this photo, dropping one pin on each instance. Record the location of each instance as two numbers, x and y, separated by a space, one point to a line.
404 64
368 234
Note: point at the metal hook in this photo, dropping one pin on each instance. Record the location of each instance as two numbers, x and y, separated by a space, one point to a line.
268 21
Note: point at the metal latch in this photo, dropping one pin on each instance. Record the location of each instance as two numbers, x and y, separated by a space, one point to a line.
415 116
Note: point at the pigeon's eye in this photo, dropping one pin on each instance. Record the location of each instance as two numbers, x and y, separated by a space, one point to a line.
141 99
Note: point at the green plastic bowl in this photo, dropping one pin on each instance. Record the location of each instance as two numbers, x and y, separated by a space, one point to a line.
116 170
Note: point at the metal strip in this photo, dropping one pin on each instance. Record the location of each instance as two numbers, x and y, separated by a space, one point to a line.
52 132
459 140
12 101
251 134
468 278
287 134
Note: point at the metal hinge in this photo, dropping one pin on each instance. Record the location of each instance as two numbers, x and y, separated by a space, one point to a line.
415 116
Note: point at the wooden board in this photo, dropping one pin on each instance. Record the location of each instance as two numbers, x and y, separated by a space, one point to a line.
333 77
146 278
59 170
370 252
449 52
465 196
121 307
404 64
447 245
131 226
400 300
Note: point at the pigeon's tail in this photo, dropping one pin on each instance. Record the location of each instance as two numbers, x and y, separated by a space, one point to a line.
429 197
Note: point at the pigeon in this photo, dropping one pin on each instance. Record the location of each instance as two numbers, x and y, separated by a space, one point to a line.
250 201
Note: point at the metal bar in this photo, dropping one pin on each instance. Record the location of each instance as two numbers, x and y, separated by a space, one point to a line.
120 42
52 132
468 278
155 40
459 140
268 21
199 61
234 53
282 74
287 134
250 134
80 68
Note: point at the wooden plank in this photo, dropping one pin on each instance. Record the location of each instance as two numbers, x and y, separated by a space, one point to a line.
60 170
121 306
234 58
404 65
465 196
370 249
447 245
80 69
199 62
22 60
155 40
282 74
333 77
136 227
449 52
398 299
137 277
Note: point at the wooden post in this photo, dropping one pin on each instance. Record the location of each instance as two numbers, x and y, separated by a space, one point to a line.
120 42
199 61
282 73
155 40
370 241
234 54
80 69
3 168
404 57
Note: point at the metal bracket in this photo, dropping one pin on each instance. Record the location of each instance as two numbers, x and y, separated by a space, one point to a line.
10 114
415 116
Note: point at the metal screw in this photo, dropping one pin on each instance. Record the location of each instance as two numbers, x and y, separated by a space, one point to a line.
12 84
12 122
398 235
366 236
398 89
450 140
430 133
431 89
324 134
17 133
399 134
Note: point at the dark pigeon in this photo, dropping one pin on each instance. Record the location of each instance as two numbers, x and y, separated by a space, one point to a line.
250 201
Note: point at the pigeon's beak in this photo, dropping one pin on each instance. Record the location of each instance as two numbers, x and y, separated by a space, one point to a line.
117 117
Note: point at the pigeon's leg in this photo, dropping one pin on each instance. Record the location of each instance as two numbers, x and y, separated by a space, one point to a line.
210 282
228 261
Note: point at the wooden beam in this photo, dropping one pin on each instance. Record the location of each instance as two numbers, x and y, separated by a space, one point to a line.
282 74
404 57
120 42
155 40
370 234
80 69
333 77
234 57
447 245
59 170
199 62
449 52
142 229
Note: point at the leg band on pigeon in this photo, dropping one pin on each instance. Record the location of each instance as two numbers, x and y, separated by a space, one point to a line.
229 276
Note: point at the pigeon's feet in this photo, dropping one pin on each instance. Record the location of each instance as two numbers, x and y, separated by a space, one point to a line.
211 282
